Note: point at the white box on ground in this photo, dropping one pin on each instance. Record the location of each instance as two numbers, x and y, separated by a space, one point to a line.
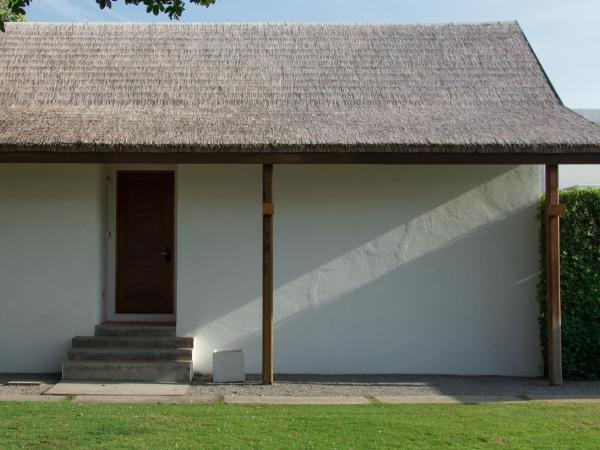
228 366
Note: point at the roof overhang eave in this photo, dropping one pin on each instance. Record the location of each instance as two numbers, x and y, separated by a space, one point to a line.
304 154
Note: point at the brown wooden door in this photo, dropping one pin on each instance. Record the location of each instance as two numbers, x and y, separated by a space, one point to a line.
145 242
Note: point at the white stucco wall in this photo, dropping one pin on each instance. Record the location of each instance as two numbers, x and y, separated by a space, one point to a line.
397 269
51 261
218 258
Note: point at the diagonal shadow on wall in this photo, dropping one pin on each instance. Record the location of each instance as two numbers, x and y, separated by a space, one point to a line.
403 299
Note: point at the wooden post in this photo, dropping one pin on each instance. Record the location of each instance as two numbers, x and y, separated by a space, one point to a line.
553 212
267 288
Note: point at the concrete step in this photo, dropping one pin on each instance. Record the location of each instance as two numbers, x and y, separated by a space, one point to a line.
132 342
131 354
135 329
148 371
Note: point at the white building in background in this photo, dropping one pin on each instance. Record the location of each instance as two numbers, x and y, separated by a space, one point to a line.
579 174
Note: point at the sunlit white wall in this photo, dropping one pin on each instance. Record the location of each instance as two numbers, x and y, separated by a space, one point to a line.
396 269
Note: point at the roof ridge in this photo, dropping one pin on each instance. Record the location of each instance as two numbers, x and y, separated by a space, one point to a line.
283 24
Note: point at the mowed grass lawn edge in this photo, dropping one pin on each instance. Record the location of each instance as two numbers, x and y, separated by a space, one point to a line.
522 425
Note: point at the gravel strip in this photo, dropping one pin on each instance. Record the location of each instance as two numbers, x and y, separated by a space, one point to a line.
389 385
46 382
354 385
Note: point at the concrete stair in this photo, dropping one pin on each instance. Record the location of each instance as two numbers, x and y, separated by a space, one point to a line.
135 329
131 342
130 351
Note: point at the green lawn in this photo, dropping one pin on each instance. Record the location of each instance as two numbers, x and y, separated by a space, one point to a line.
527 425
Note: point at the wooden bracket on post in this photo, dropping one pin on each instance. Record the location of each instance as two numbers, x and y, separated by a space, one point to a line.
268 209
556 210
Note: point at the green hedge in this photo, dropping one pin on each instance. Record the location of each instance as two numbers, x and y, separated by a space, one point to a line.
580 283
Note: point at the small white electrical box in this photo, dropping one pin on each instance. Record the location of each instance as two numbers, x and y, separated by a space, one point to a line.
228 366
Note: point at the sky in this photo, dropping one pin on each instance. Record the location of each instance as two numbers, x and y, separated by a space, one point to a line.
565 34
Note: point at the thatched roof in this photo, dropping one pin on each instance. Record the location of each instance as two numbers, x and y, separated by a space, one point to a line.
274 88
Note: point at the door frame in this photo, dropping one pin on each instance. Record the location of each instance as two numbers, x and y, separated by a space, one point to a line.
111 242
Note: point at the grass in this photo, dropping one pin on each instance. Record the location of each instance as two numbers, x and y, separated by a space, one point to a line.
67 425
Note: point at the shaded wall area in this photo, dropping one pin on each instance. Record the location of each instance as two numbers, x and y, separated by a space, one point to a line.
51 261
378 269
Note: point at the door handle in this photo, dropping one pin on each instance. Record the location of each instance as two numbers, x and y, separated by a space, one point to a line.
167 254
